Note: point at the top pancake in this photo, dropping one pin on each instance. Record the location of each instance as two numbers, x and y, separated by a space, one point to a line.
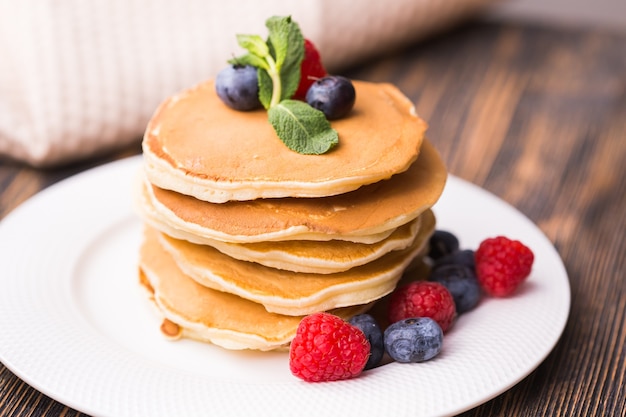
196 145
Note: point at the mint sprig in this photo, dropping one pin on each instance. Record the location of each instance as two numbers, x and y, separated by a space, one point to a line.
309 132
299 126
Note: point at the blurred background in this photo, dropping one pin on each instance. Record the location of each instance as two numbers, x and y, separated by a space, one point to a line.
80 79
596 13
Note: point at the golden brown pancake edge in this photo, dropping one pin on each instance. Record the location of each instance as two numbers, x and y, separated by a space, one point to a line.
188 147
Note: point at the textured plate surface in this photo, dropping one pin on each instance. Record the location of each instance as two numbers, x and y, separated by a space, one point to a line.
76 326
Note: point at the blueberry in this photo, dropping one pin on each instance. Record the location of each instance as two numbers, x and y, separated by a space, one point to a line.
374 335
333 95
413 340
461 257
238 87
442 243
461 282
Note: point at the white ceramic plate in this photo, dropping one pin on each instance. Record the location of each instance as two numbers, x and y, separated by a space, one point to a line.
75 325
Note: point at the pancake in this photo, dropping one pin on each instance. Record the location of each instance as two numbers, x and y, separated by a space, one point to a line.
196 145
368 214
316 257
193 311
293 293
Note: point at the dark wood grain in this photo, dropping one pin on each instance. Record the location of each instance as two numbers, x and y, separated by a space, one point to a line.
538 117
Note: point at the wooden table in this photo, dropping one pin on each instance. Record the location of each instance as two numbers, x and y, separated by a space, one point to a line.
537 116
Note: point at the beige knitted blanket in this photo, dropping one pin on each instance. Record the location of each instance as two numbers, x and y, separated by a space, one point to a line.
81 77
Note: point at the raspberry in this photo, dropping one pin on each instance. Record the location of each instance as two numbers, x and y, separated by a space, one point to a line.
327 348
423 299
502 265
310 70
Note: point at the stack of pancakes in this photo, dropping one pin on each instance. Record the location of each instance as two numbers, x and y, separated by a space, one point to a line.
243 236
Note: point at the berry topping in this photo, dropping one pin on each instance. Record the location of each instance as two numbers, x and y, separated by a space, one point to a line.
327 348
423 299
374 335
461 282
311 69
333 95
278 61
413 340
442 243
238 87
502 265
463 257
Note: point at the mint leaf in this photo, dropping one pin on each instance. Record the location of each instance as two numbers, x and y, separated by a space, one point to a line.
279 28
254 44
265 88
302 128
249 59
286 45
280 58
